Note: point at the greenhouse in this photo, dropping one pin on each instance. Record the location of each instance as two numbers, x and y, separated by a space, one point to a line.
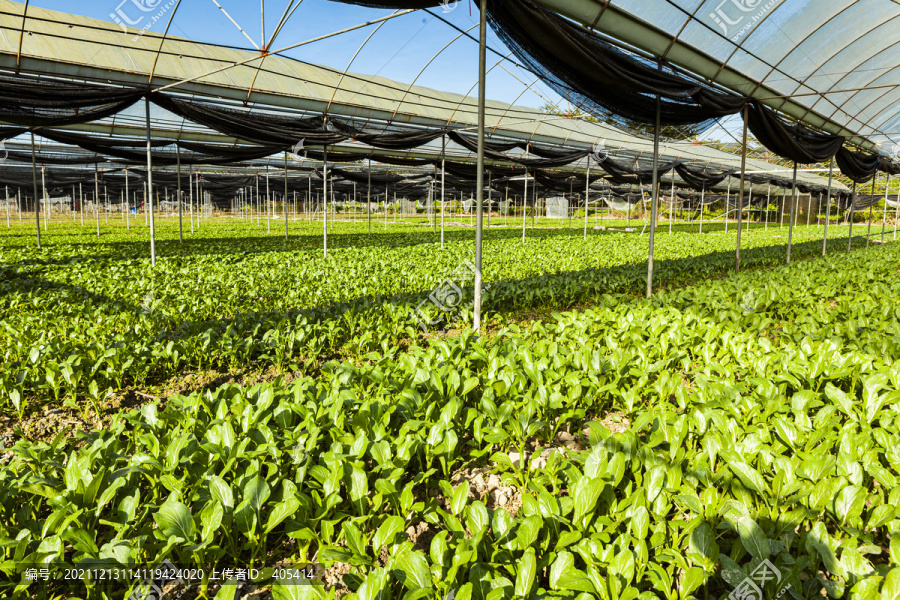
441 299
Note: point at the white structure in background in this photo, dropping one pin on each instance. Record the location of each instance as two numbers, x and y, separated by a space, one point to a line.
469 204
61 205
557 207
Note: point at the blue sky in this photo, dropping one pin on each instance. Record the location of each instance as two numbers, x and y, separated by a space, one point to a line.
399 50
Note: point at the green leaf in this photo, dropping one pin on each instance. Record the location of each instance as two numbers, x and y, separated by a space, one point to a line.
528 531
749 476
460 498
623 565
226 592
731 571
693 579
463 593
477 518
656 479
355 540
256 492
292 591
386 532
587 491
840 398
818 540
849 503
703 542
211 519
595 462
282 511
640 522
221 491
332 554
174 520
890 589
525 574
753 538
359 489
413 568
564 560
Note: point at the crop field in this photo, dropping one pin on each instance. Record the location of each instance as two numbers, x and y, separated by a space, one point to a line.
252 403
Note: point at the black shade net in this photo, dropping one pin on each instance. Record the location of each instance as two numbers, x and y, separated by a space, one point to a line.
33 102
622 172
260 128
43 158
10 132
127 150
857 166
365 177
393 141
601 77
57 180
864 201
792 141
700 179
887 165
571 57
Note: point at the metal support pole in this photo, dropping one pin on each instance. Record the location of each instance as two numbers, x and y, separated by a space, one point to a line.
37 204
737 253
827 206
97 199
127 204
270 207
369 196
781 226
482 46
524 205
325 198
506 205
191 199
768 198
443 153
150 187
490 200
884 212
180 210
869 228
794 200
654 197
285 201
44 192
896 217
534 208
808 208
851 216
702 197
727 200
587 189
672 200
